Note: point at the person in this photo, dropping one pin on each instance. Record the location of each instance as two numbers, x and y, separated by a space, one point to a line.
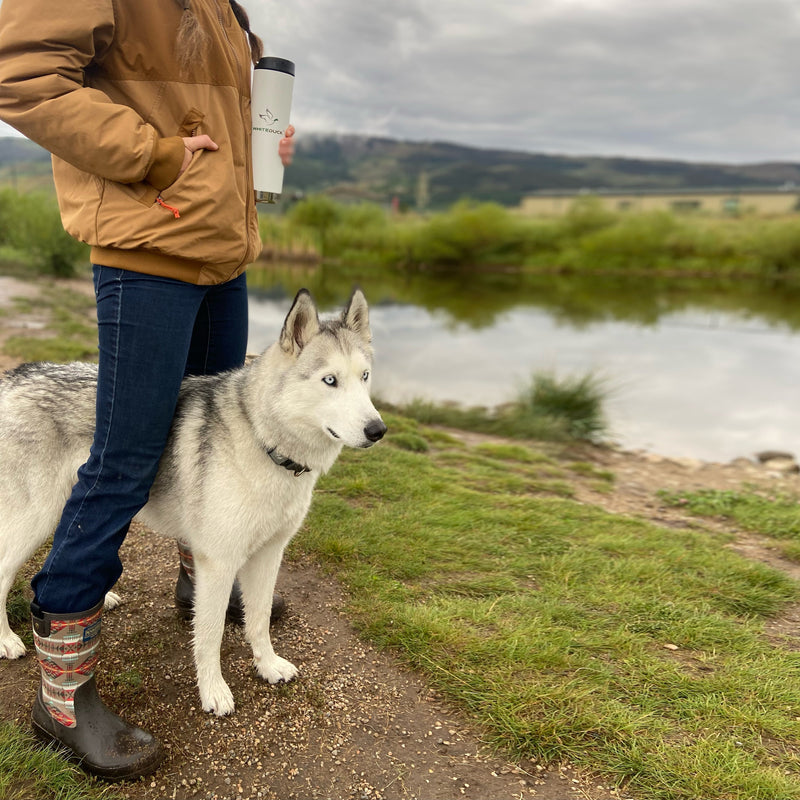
145 108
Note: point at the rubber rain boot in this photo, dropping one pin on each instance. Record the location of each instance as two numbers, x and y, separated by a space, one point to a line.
184 593
68 711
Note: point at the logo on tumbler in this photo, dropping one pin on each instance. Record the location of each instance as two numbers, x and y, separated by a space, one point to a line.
271 121
268 117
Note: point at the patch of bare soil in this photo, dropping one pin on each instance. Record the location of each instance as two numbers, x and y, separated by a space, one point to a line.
356 723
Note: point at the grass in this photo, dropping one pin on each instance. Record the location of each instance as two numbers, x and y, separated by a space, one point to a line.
69 317
567 632
31 772
776 516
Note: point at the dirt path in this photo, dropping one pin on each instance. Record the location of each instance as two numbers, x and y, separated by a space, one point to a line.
356 724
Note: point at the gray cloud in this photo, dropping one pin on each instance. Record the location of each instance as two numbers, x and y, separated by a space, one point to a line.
695 79
687 79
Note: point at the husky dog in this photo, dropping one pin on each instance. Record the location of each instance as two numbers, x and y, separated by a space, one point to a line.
234 483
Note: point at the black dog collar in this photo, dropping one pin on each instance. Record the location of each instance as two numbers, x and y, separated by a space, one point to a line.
287 463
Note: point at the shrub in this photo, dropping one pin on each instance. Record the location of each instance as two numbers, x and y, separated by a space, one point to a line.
636 241
468 234
31 224
586 215
780 247
319 213
362 233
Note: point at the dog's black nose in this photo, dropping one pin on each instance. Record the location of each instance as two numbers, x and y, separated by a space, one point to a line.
375 430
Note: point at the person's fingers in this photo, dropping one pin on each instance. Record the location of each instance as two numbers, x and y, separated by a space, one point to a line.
202 142
286 147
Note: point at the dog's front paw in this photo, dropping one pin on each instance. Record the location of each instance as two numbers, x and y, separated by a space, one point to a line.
112 600
11 646
217 698
276 669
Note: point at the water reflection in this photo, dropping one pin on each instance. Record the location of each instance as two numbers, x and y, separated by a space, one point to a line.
476 299
703 370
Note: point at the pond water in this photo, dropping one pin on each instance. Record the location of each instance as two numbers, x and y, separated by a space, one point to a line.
691 371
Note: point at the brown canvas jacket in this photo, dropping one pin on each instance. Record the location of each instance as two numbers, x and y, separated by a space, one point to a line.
98 85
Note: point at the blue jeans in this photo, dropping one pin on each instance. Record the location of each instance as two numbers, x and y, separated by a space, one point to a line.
152 332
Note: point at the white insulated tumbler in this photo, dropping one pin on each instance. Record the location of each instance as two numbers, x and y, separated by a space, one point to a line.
271 103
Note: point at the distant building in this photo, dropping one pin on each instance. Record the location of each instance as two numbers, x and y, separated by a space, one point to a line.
717 202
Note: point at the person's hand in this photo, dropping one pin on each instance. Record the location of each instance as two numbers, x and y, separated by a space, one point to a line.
286 147
192 144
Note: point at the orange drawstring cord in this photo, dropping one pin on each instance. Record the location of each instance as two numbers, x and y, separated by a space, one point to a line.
175 212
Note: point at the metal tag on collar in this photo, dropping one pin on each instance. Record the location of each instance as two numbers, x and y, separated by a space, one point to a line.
287 463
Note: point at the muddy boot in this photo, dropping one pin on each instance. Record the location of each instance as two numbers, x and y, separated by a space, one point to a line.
184 593
68 711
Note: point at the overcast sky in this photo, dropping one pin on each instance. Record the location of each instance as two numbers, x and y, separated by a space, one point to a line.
711 80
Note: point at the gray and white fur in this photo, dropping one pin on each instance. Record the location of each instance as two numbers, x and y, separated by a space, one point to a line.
220 486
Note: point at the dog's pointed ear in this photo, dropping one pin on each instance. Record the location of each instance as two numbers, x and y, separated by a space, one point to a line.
356 316
301 324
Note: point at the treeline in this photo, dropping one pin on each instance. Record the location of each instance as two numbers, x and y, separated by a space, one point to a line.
586 239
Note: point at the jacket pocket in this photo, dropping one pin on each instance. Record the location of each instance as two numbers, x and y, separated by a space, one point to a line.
187 178
146 194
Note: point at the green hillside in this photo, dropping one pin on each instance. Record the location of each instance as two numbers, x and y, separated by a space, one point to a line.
436 174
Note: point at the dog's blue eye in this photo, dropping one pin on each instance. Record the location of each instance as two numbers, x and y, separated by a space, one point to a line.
330 380
365 376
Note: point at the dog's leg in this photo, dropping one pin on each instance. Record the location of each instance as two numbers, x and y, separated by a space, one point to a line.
257 579
212 590
11 645
11 560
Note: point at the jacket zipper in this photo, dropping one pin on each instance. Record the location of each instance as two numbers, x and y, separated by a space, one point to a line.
228 38
246 122
175 212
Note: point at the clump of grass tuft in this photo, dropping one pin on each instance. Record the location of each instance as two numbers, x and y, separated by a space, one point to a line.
548 409
575 402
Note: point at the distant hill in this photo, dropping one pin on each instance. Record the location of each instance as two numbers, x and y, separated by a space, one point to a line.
436 174
446 172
